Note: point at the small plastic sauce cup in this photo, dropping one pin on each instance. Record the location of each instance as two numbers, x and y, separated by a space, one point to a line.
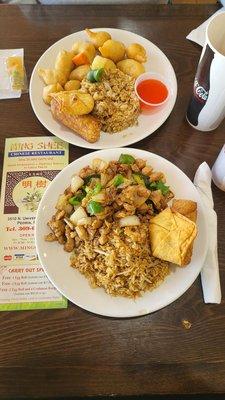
159 80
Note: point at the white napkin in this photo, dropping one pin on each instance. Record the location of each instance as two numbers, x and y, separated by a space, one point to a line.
210 272
198 34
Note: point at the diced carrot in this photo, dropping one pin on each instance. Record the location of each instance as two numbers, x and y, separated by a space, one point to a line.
81 59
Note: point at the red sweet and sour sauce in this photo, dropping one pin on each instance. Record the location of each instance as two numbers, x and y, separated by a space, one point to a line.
152 91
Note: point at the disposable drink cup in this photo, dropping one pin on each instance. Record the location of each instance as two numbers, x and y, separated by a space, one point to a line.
206 109
218 170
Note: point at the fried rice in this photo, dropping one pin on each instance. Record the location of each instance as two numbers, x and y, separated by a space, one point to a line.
123 265
116 105
103 220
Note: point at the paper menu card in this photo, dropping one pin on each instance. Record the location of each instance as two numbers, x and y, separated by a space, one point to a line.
30 164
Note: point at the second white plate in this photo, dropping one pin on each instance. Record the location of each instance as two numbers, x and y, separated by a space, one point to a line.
75 286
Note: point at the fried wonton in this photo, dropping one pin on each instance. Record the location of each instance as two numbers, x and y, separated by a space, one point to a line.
188 208
172 236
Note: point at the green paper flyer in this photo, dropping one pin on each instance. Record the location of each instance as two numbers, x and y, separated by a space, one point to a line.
30 164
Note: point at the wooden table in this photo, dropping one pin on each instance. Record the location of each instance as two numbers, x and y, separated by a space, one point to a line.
66 353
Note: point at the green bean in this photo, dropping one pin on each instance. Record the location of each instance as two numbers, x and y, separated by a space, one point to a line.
95 75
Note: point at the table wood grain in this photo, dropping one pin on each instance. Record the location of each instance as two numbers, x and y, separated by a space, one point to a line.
65 353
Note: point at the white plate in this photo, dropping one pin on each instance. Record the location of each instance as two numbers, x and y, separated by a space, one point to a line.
75 287
147 124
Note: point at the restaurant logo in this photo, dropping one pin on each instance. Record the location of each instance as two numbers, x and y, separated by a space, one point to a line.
200 91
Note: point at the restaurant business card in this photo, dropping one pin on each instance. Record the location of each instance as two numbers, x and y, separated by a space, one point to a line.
30 164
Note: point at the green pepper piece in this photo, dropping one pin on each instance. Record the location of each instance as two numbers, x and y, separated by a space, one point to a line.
97 189
159 185
146 180
88 178
164 189
118 180
87 189
153 186
126 159
94 207
141 179
138 179
76 200
91 192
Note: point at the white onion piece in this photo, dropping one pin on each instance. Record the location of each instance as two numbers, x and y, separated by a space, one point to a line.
78 214
76 183
131 220
104 178
100 252
84 221
100 197
67 221
99 165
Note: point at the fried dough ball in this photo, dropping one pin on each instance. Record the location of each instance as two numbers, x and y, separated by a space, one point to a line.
98 38
64 63
84 47
136 52
73 84
113 49
51 76
102 62
56 87
79 73
131 67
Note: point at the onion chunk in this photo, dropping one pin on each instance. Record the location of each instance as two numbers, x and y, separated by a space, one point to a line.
131 220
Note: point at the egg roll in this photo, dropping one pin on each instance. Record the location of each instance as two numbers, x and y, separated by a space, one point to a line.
87 126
